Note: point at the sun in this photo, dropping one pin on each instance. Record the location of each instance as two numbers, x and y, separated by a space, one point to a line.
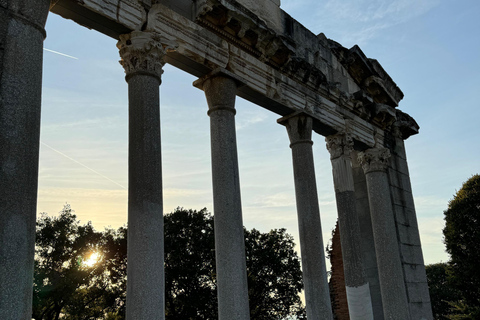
92 259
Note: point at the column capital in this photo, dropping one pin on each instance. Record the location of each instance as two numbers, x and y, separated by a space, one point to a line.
220 87
142 52
28 12
375 159
339 145
299 127
218 72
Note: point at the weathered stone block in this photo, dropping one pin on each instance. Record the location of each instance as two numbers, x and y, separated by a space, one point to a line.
397 197
128 13
400 216
411 254
408 199
405 182
393 177
399 149
408 234
421 310
418 292
401 166
414 273
266 10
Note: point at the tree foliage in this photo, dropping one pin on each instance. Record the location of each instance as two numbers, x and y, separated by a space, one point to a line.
442 293
455 285
273 270
189 265
66 287
462 239
274 276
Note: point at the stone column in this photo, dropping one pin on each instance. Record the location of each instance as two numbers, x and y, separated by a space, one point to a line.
142 57
317 296
220 90
22 33
394 297
358 291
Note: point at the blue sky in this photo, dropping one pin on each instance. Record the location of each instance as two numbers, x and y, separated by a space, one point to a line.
430 48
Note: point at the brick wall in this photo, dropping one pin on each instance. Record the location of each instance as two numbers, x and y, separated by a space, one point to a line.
338 294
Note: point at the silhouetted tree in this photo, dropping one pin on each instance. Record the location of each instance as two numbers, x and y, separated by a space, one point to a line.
442 293
273 270
462 239
65 285
189 265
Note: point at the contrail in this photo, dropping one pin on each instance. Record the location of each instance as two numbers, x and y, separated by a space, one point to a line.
63 154
62 54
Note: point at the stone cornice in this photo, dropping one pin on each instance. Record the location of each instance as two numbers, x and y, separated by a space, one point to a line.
368 74
240 26
404 126
143 52
375 159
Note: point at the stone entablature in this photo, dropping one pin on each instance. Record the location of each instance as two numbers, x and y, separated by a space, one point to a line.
281 75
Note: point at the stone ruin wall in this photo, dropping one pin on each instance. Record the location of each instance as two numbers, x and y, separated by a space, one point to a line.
285 68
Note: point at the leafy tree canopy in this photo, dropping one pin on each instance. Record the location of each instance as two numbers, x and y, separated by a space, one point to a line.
442 293
455 285
66 283
462 239
69 286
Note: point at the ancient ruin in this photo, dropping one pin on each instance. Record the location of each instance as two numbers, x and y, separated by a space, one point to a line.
255 50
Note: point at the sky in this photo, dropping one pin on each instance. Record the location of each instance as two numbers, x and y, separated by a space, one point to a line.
430 48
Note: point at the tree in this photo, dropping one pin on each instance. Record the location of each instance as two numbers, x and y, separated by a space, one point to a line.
65 283
274 276
462 238
273 270
442 294
67 286
189 265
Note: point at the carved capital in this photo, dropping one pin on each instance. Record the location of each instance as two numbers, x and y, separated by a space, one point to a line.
375 159
339 145
143 52
299 128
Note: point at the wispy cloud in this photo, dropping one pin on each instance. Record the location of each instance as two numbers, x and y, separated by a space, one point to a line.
281 199
61 54
253 119
361 20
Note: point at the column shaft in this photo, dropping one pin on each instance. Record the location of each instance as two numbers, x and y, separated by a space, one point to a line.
21 37
357 287
317 295
232 289
141 57
392 286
